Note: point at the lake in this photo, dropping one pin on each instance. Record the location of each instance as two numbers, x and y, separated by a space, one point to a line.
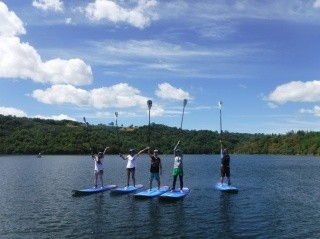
278 198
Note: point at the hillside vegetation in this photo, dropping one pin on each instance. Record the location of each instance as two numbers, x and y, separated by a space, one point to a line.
31 136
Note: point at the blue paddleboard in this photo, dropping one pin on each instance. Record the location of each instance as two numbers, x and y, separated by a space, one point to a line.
125 190
87 191
154 192
176 194
226 188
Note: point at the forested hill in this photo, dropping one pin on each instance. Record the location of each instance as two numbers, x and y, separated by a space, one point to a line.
31 136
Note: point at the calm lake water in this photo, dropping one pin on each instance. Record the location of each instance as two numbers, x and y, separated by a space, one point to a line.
278 198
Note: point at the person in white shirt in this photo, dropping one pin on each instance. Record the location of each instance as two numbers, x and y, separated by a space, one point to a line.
131 164
177 167
98 166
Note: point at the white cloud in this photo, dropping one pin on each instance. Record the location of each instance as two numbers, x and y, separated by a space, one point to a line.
315 111
20 113
117 96
12 111
47 5
295 91
167 91
63 94
139 16
20 60
316 4
10 25
55 117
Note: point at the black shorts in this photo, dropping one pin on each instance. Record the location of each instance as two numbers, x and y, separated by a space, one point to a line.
225 171
131 170
98 172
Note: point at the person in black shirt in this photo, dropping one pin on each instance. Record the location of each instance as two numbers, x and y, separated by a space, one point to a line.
225 166
155 167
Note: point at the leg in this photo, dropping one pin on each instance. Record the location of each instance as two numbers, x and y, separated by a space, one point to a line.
174 182
228 176
181 181
95 179
221 180
128 177
159 184
151 179
223 173
133 177
101 177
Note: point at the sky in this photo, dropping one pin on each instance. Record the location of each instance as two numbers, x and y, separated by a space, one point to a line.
69 59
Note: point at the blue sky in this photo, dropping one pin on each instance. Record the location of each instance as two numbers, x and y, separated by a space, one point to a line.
69 59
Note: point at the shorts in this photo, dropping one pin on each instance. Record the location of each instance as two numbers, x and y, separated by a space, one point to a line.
98 172
225 171
131 170
155 176
177 172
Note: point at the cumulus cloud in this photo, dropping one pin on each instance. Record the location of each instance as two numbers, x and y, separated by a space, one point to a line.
316 4
12 111
139 16
10 25
295 91
48 5
315 111
20 113
20 60
62 94
55 117
119 96
167 91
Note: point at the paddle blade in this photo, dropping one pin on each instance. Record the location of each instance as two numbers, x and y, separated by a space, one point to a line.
149 102
185 101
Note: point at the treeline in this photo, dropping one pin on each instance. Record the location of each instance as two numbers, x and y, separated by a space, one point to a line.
33 136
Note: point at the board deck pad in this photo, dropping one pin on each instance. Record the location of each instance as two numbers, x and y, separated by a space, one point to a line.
176 194
88 191
154 192
226 188
124 190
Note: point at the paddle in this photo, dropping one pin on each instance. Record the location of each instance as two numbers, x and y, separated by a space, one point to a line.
86 123
185 101
149 102
116 114
220 109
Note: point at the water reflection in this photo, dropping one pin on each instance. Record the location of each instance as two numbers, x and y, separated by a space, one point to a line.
99 212
226 215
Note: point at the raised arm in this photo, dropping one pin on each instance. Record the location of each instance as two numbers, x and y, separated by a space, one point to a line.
175 147
105 150
121 156
141 151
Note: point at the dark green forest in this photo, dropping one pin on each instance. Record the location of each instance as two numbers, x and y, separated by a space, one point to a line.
34 136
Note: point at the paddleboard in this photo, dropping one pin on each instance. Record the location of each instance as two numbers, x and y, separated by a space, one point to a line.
124 190
154 192
226 188
176 194
87 191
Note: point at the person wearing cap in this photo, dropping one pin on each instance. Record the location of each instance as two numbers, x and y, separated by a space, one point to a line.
131 164
98 166
155 168
225 166
177 167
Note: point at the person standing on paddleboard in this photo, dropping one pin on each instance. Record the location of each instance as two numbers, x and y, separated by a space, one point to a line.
98 167
177 167
155 168
225 166
131 165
